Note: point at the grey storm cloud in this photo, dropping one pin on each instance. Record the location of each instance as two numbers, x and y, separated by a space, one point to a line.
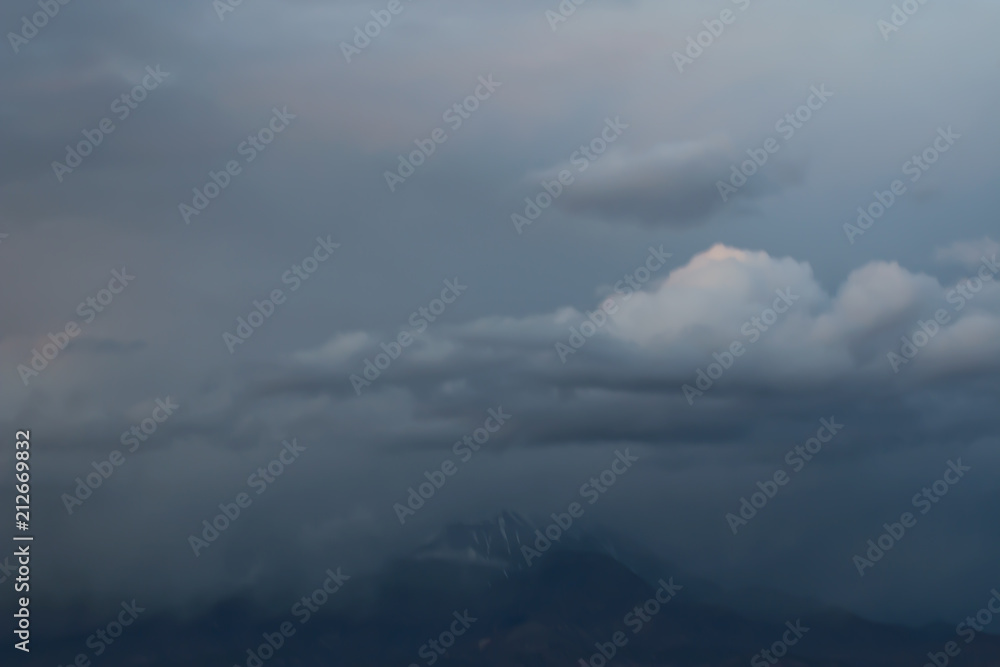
590 375
818 318
668 185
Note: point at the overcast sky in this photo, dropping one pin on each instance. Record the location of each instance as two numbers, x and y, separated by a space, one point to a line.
646 134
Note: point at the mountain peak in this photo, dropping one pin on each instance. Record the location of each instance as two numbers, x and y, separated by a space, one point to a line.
493 542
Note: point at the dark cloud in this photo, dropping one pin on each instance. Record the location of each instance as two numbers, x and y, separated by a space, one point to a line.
654 188
669 185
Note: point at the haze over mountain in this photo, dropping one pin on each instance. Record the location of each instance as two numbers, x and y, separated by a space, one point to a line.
585 589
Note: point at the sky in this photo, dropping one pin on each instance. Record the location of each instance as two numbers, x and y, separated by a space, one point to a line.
566 217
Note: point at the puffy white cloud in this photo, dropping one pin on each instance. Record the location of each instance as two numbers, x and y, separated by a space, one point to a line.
721 296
